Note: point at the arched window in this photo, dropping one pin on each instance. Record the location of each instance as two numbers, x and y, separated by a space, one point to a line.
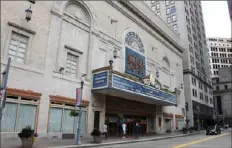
78 11
133 40
166 64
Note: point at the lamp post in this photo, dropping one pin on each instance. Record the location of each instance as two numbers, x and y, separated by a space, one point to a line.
198 120
78 140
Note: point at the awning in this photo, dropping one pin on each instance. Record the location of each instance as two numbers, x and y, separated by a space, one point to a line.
109 82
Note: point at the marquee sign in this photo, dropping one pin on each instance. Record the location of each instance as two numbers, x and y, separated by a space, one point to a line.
121 83
100 80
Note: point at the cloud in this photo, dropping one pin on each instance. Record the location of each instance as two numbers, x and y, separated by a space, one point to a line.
216 19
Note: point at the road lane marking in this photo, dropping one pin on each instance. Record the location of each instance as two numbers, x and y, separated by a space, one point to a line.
199 141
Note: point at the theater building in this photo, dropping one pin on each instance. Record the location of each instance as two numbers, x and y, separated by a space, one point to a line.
132 61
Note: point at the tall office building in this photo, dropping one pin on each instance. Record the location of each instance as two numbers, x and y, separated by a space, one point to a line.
185 18
220 52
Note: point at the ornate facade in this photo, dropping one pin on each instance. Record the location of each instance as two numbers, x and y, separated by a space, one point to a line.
66 39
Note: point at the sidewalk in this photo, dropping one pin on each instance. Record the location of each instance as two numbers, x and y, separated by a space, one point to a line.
87 142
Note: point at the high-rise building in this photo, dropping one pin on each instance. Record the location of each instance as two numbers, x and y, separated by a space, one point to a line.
230 8
220 52
222 93
186 19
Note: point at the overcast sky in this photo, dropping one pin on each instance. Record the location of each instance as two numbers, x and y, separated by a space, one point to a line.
216 19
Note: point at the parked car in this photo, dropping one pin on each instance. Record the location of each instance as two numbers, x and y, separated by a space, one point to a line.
213 130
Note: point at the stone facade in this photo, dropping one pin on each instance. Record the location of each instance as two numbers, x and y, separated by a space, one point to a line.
84 29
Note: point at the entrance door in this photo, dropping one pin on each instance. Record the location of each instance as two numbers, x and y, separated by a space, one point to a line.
96 119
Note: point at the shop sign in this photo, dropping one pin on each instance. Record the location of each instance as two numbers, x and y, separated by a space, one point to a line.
100 80
138 88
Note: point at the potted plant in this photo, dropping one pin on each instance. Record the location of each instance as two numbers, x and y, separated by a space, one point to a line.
74 113
185 130
27 136
96 136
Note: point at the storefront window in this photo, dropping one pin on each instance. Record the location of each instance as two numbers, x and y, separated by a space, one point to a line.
61 121
17 115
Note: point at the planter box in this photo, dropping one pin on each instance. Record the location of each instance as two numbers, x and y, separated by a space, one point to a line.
97 139
27 143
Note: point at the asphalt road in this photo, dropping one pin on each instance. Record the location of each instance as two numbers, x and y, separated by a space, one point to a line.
194 141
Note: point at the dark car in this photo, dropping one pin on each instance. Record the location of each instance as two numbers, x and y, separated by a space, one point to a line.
213 130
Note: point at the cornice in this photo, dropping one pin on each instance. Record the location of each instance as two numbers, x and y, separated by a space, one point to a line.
179 50
190 72
148 21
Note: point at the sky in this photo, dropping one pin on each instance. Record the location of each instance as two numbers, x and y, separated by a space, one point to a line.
216 19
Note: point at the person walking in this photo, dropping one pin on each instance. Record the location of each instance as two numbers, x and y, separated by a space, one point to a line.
124 129
105 131
137 130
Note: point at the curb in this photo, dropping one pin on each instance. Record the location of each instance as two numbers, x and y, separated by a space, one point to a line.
126 142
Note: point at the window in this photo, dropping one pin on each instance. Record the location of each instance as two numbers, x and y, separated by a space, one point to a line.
61 121
206 99
16 113
211 101
157 6
18 47
168 10
217 87
201 96
167 3
173 9
194 81
174 18
226 87
152 2
205 88
175 28
172 2
194 92
153 8
71 64
169 20
200 85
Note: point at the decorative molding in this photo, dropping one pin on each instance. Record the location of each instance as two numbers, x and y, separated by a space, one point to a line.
73 49
187 71
71 101
29 94
151 24
21 28
56 13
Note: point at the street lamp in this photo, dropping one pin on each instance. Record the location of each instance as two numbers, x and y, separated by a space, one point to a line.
198 120
78 140
28 14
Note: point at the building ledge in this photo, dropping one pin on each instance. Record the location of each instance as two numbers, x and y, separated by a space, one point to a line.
23 93
67 100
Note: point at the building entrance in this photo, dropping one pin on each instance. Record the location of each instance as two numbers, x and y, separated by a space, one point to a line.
115 122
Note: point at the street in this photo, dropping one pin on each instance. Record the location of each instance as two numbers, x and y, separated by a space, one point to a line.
195 141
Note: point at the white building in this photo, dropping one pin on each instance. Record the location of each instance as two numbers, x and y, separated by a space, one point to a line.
185 18
220 51
80 37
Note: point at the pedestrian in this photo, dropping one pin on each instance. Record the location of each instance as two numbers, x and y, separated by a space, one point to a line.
124 129
105 131
137 129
